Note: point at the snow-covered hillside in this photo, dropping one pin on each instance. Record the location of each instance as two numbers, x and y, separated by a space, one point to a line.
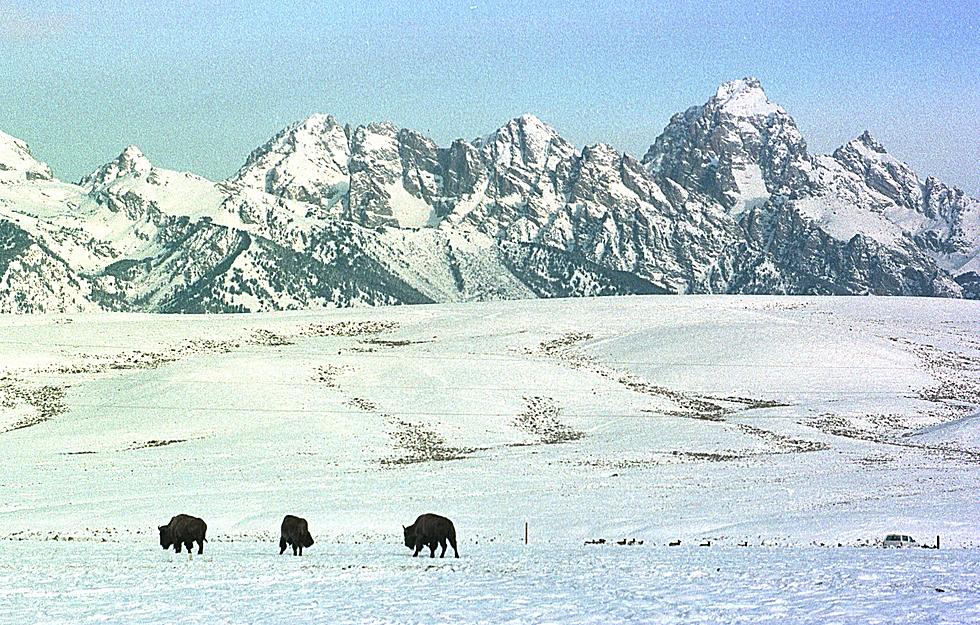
727 199
788 425
692 417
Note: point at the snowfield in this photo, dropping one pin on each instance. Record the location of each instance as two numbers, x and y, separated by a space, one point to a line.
245 583
791 433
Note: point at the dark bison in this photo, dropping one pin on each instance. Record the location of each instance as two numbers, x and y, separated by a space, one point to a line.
430 529
184 530
295 533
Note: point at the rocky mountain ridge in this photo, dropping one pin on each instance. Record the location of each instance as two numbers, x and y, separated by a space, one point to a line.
727 199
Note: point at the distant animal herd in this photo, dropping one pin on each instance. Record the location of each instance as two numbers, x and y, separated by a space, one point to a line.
429 530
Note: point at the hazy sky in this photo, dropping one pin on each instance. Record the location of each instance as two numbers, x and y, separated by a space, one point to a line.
198 85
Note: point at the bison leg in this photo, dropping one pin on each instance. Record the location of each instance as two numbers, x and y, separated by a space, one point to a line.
301 549
432 548
190 546
282 546
200 547
452 541
177 547
442 543
418 548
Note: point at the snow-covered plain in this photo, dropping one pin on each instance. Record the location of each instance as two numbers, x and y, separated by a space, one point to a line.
243 583
787 425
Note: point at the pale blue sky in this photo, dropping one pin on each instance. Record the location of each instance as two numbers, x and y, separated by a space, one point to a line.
197 85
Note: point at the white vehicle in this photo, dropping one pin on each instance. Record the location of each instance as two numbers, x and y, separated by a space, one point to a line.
898 540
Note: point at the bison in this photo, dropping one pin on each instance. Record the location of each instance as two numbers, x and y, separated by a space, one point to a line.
296 533
430 529
184 530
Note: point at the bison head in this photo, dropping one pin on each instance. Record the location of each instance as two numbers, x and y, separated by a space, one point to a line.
307 539
409 536
165 539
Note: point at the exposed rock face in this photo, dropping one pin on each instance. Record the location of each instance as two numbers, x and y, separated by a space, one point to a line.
738 148
726 200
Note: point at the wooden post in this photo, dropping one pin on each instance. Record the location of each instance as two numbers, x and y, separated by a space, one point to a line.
937 541
525 532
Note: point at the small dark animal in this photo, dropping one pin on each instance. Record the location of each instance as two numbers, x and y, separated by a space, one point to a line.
295 533
674 543
430 530
184 530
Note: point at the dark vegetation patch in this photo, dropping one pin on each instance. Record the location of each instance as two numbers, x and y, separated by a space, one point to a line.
43 402
327 375
663 458
140 359
418 443
541 419
155 443
413 442
348 328
875 460
957 375
712 456
752 404
393 343
361 404
781 443
690 406
269 339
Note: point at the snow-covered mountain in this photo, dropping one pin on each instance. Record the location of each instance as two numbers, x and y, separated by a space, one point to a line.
727 200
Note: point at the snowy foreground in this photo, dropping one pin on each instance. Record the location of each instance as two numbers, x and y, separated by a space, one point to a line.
248 583
791 433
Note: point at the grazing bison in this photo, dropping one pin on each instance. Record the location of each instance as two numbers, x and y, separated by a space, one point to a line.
430 529
184 530
295 533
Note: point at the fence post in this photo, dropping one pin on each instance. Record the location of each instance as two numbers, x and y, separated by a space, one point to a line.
937 541
525 532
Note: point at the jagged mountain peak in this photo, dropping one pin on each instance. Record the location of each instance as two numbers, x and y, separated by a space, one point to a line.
17 162
738 147
309 134
604 149
384 126
131 161
525 125
316 120
744 97
307 160
870 142
525 141
869 159
865 153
